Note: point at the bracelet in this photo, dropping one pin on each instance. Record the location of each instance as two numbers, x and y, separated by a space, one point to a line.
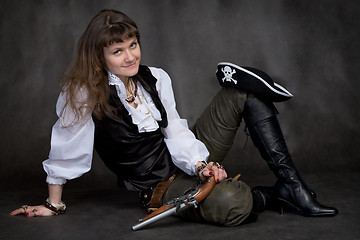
56 209
199 169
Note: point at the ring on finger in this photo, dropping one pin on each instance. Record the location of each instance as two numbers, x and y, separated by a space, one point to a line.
221 167
34 211
216 164
24 207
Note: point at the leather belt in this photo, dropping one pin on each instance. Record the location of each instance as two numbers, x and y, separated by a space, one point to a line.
151 198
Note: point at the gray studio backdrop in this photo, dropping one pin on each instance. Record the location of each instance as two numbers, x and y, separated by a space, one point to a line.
310 47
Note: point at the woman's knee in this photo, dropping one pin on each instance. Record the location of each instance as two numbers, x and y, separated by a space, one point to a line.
229 204
218 124
234 98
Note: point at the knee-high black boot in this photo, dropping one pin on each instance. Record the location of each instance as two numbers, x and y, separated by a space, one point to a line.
266 134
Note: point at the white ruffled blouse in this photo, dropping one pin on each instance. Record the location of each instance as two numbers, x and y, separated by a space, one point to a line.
71 150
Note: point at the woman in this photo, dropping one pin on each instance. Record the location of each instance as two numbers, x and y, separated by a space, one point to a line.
127 112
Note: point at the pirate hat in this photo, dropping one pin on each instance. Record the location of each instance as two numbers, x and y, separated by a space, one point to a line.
251 80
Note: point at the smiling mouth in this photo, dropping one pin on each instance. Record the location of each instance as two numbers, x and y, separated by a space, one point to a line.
131 65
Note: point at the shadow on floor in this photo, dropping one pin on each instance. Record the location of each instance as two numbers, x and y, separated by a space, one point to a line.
109 213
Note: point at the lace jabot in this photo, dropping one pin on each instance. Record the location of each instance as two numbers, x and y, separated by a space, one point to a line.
146 115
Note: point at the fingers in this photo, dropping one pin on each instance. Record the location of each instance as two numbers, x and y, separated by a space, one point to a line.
38 211
203 171
32 211
219 171
21 210
214 169
205 174
17 211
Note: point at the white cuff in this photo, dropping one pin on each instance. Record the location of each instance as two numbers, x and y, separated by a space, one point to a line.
55 181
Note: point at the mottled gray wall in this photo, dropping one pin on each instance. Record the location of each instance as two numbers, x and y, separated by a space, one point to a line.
311 47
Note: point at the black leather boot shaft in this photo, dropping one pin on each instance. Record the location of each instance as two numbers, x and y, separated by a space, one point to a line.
266 134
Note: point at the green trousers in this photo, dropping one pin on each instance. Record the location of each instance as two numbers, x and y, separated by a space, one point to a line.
230 203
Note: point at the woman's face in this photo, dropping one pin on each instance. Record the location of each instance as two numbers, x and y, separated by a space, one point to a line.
123 58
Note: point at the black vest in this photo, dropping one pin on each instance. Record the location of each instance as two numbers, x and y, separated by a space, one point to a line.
141 160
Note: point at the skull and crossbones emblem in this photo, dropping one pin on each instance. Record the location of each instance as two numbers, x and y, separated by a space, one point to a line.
228 72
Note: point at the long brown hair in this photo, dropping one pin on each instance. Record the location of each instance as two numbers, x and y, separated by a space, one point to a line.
87 72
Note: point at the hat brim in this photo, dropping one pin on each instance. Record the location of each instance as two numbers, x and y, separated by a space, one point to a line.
251 80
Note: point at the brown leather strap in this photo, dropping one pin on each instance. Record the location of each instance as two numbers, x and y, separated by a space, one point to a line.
155 195
161 187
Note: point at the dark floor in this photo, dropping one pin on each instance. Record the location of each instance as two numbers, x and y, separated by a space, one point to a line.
109 213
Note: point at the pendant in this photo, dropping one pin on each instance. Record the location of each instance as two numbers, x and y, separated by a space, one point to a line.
130 99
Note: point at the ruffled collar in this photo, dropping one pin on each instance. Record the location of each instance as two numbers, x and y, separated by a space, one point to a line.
146 115
113 79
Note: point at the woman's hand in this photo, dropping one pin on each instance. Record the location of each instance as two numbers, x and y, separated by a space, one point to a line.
215 169
32 211
52 206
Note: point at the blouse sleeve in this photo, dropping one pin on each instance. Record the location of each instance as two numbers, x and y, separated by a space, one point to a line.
184 148
71 147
